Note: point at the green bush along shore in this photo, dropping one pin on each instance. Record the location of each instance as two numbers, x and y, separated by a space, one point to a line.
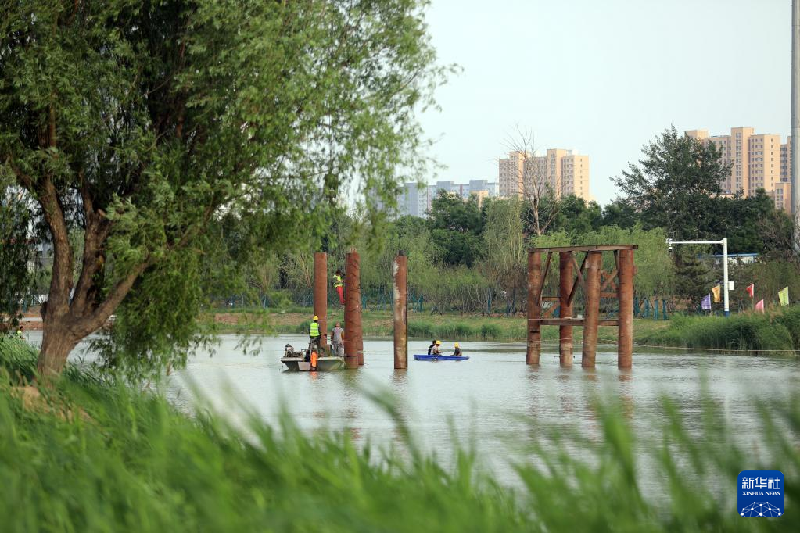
131 462
777 330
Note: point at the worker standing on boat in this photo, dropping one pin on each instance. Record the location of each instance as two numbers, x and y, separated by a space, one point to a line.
456 350
337 340
338 284
313 331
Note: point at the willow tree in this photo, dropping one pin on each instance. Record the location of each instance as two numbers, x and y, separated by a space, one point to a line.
135 125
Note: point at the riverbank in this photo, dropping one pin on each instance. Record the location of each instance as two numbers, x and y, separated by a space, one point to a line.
448 327
134 463
778 330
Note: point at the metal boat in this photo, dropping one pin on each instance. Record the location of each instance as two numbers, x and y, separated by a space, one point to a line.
300 360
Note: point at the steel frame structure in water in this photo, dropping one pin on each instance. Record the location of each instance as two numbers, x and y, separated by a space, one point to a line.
596 284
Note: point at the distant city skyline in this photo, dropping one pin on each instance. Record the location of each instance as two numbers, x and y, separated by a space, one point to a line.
415 198
757 161
624 72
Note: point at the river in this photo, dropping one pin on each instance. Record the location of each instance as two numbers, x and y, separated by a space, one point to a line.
493 400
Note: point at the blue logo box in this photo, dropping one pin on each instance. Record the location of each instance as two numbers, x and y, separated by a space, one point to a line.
760 493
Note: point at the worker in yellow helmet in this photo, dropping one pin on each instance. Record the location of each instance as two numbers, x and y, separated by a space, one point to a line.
313 331
433 349
456 350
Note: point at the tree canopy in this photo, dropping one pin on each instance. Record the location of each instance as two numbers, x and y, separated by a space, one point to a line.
674 184
137 124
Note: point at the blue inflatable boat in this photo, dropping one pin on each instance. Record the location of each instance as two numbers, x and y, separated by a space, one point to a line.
441 357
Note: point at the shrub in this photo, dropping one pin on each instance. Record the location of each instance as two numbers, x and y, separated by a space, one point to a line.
745 331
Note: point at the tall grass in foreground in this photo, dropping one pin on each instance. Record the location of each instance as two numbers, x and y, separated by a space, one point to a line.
132 463
778 330
18 358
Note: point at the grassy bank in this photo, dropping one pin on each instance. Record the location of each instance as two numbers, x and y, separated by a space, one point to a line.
422 326
777 330
132 463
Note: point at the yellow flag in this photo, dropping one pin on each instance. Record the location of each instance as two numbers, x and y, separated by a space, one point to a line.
716 290
784 296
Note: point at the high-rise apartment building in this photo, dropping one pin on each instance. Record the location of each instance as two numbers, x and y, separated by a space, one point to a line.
561 171
416 199
757 161
512 171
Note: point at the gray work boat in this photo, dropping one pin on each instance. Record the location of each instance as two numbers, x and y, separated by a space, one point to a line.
300 361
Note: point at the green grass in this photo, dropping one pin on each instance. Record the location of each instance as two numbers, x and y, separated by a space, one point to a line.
779 330
453 327
133 463
18 359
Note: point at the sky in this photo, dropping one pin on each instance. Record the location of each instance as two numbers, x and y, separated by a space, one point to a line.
602 77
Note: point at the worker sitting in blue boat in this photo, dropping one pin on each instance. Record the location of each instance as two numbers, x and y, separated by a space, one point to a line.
456 350
433 349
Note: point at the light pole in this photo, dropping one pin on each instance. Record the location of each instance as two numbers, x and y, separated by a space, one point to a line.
794 149
724 243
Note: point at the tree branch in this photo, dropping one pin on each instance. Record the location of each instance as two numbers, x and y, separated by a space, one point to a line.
96 232
89 323
61 283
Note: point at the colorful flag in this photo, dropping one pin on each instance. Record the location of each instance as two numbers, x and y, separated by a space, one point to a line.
705 305
784 296
715 291
760 306
751 289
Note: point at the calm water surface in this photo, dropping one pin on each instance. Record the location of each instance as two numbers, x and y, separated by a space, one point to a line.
493 400
490 399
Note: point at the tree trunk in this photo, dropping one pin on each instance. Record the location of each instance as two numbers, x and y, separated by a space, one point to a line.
57 343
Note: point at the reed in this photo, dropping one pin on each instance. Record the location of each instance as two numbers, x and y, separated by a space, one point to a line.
779 330
133 463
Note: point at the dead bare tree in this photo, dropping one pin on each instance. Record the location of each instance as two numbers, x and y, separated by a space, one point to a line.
535 180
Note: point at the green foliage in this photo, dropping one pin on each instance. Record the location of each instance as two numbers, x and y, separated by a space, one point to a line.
694 277
576 216
505 246
16 252
743 331
18 358
621 214
675 184
455 227
752 224
143 125
132 463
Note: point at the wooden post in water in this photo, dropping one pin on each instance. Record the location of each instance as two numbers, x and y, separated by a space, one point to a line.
625 349
564 290
400 272
321 294
357 331
352 303
594 263
534 348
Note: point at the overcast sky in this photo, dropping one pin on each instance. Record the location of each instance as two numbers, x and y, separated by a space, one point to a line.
603 77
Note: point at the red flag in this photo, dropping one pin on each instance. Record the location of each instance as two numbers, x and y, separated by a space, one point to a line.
760 306
751 289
